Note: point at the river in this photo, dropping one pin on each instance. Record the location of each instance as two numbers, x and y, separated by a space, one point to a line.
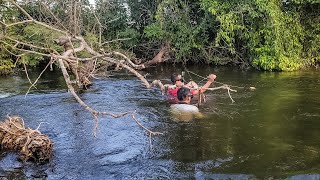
271 132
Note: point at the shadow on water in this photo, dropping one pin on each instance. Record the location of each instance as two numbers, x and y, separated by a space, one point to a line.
270 132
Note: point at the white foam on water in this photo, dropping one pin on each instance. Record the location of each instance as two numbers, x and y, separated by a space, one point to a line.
4 95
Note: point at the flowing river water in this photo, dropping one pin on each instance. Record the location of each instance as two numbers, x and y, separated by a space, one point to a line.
271 132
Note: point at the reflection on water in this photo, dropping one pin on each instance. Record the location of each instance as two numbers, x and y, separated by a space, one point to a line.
270 132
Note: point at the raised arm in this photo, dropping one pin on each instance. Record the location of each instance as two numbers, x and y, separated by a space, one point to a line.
211 79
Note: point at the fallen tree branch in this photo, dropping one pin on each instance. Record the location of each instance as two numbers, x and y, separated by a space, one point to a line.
158 58
129 61
222 87
69 55
201 98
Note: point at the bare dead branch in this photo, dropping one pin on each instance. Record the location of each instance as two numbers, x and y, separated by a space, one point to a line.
138 75
151 132
222 87
26 44
115 40
227 87
26 71
21 9
58 20
100 25
16 55
27 51
128 60
91 51
3 24
114 115
71 89
35 82
33 20
158 58
20 22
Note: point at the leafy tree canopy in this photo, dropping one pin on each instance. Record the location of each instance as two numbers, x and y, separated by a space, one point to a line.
269 35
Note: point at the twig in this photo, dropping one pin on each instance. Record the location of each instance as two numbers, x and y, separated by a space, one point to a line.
58 20
95 117
26 44
114 115
26 71
21 9
35 21
214 81
230 95
17 23
33 84
40 125
222 87
149 131
100 26
113 20
115 40
225 87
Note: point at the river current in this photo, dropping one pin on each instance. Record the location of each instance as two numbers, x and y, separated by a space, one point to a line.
270 132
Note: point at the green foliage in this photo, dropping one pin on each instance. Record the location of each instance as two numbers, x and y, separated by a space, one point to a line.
92 39
185 26
6 65
270 35
30 34
142 13
132 36
113 16
311 24
154 31
39 36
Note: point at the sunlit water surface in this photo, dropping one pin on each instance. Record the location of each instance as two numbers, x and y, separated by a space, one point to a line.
270 132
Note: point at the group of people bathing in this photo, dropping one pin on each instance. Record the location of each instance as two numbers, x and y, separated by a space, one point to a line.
181 94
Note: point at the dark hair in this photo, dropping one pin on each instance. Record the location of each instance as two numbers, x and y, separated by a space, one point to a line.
174 77
182 93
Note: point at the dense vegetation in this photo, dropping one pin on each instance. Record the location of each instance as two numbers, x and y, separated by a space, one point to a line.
268 35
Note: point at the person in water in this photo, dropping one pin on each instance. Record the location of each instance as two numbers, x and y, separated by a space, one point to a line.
183 110
178 82
184 96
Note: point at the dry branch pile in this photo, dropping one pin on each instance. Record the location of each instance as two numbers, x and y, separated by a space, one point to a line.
31 144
